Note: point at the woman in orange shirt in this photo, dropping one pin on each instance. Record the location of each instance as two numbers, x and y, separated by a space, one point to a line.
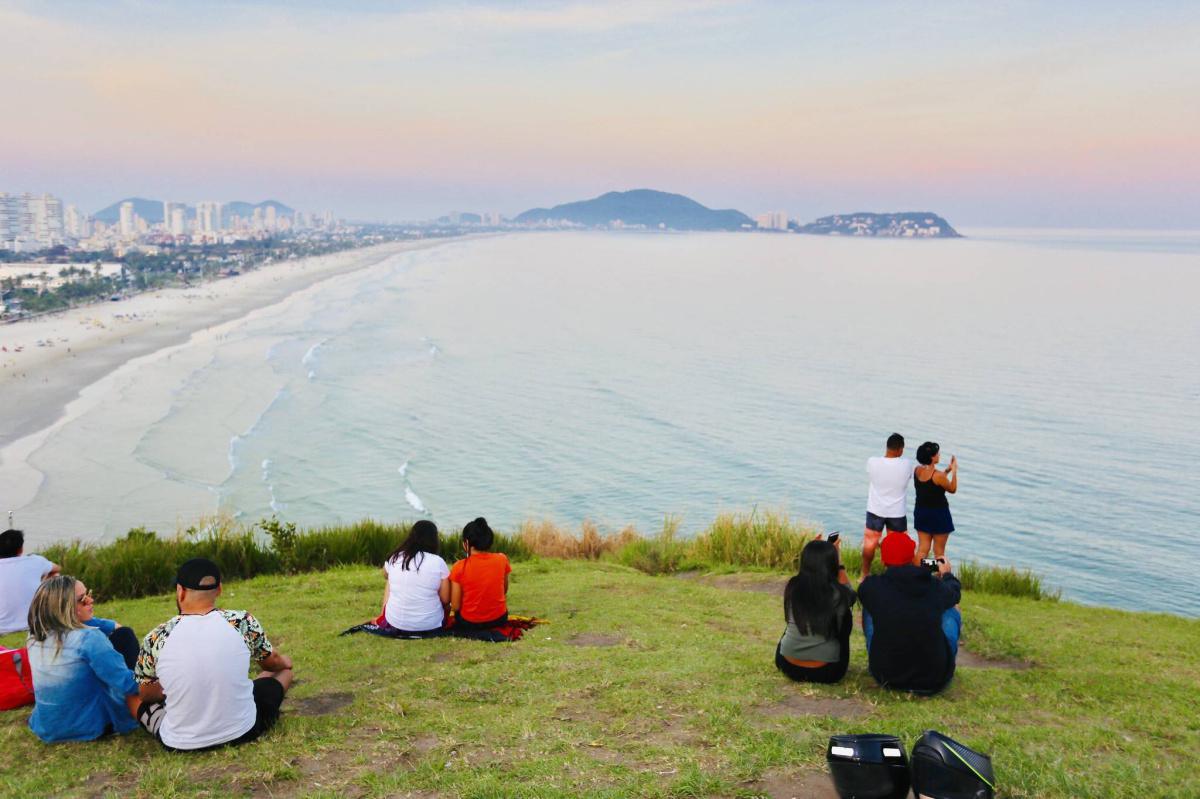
479 581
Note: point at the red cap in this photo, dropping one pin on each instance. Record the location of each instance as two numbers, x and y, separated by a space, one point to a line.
898 549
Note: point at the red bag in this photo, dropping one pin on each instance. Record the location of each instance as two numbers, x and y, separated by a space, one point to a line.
16 681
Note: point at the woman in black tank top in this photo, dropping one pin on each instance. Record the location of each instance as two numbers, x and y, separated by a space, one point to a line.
931 514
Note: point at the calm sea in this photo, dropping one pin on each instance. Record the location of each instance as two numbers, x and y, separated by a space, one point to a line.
627 377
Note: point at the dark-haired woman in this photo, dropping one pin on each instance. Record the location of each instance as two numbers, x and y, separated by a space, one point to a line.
815 646
931 513
418 584
479 581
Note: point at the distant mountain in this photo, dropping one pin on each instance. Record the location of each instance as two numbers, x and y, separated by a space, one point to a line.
152 210
653 209
244 209
908 224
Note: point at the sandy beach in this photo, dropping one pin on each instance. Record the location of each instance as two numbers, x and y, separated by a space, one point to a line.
98 359
46 362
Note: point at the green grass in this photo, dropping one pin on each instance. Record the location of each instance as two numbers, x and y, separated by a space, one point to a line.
676 697
143 563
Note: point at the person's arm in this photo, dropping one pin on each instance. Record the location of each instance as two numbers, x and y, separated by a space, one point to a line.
455 596
109 667
151 691
444 591
52 569
951 587
949 478
387 589
276 661
506 585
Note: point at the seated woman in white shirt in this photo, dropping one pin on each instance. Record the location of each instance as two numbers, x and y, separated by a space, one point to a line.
418 584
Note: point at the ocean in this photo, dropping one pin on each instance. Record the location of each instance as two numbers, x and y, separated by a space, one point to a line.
630 377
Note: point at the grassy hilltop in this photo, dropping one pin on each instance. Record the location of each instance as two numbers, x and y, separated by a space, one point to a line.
648 685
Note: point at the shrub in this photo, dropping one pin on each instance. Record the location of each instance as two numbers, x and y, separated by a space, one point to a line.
759 539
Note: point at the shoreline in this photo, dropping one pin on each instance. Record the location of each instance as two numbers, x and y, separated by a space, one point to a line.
90 342
57 384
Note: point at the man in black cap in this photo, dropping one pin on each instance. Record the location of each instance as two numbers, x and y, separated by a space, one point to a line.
193 669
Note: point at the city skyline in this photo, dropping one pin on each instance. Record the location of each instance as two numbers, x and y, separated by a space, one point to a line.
1016 114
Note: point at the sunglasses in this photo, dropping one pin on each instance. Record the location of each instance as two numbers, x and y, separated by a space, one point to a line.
87 597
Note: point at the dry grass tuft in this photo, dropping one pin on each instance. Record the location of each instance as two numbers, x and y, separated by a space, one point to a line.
546 539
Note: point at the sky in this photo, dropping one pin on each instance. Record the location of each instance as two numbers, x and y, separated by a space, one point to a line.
1063 114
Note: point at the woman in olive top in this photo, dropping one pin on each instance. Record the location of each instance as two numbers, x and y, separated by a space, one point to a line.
931 513
815 646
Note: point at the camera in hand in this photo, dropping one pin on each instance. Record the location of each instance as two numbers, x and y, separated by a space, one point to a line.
930 563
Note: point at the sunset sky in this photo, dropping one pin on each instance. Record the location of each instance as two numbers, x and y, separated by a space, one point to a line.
1007 113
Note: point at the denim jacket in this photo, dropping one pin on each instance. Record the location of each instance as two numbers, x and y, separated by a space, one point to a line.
79 694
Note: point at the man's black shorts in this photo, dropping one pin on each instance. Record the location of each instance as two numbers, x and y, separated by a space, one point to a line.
268 698
894 524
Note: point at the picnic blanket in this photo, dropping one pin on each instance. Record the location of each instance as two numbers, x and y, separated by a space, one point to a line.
511 630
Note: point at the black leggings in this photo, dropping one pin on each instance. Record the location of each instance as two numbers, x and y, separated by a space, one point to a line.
125 641
462 624
830 672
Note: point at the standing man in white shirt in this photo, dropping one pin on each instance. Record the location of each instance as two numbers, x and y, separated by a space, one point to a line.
887 497
194 670
20 576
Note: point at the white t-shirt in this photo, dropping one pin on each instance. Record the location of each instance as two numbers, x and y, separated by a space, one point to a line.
203 665
20 577
889 486
413 604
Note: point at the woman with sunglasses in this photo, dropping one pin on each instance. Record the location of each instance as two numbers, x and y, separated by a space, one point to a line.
82 687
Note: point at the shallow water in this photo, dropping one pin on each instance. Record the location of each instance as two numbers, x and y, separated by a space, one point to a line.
625 377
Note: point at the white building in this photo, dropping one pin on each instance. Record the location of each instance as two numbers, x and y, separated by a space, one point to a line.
270 216
178 221
208 217
128 225
772 220
10 221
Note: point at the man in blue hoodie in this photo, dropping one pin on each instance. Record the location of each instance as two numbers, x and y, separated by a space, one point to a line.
911 620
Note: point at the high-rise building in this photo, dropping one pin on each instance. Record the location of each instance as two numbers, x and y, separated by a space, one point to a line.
270 218
178 221
773 220
10 220
44 219
128 226
256 219
73 222
167 206
208 217
298 221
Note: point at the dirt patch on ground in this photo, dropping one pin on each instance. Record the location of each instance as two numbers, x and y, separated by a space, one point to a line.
970 660
99 784
594 639
793 784
321 704
336 770
755 583
801 705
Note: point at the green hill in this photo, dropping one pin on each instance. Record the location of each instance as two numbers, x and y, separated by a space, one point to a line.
659 686
640 207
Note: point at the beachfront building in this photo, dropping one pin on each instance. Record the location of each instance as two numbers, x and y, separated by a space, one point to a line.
772 220
128 226
29 222
208 217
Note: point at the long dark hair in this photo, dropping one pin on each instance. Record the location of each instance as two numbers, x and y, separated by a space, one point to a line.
422 537
810 597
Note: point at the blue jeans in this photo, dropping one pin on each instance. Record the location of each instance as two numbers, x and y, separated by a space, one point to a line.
951 627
